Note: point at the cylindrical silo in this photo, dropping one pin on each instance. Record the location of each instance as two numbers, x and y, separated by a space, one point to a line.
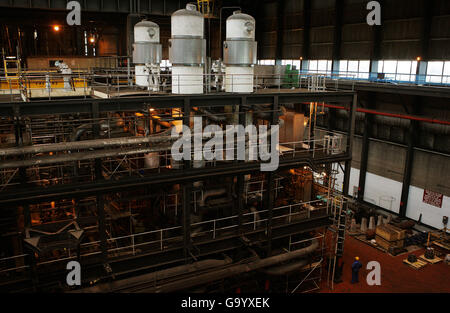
147 53
187 49
239 52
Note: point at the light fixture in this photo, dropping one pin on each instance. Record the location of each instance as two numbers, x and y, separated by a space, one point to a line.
92 40
419 59
56 28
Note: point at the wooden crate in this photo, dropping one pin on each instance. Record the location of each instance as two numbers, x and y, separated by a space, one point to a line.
390 233
416 265
386 244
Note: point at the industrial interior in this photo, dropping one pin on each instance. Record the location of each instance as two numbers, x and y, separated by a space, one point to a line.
88 172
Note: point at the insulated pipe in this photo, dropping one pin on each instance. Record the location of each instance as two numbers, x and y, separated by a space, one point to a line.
86 144
205 278
79 156
216 117
80 130
137 282
209 193
286 269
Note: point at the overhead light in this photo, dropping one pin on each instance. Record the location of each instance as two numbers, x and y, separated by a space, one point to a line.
92 40
56 28
419 59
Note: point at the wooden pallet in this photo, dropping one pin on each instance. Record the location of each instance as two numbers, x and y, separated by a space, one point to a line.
442 245
416 265
362 238
433 261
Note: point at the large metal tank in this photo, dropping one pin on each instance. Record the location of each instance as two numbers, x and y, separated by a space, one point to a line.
187 49
147 52
240 50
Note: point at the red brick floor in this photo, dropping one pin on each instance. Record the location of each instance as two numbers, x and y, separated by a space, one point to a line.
396 277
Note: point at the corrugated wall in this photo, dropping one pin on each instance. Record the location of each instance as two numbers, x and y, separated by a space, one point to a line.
403 31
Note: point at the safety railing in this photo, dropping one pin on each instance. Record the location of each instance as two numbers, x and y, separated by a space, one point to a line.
139 163
162 239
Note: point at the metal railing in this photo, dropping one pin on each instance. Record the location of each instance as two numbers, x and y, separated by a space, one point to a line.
162 239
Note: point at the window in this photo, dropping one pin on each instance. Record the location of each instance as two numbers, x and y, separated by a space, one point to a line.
364 69
354 69
446 78
292 63
404 71
266 62
435 71
320 66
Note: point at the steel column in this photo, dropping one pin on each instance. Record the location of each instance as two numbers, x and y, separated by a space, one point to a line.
368 121
350 133
412 133
280 29
187 191
306 28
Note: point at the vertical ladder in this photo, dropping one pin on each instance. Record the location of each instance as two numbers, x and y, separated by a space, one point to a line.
340 224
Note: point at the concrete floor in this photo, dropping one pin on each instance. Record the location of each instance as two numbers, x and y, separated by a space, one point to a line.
396 277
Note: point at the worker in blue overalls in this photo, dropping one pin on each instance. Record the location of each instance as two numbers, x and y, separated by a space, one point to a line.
356 266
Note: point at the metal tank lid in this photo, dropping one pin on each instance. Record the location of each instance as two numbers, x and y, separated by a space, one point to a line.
191 10
146 23
238 15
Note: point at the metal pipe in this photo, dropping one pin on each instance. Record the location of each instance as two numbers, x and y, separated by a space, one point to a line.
205 278
137 282
86 144
286 269
79 156
209 193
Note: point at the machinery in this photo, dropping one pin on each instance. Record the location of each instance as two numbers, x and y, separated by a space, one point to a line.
187 50
147 52
95 180
240 51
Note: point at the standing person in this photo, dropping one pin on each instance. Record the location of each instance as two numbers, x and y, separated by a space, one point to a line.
356 266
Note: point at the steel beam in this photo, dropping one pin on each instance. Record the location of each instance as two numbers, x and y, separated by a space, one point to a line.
134 104
36 195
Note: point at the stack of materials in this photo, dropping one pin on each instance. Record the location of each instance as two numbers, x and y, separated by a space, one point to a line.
388 236
417 239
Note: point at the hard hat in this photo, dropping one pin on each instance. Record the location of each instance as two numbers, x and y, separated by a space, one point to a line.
357 258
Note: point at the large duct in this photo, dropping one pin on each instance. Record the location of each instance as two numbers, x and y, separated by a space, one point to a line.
235 270
239 52
147 52
135 283
187 51
219 270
